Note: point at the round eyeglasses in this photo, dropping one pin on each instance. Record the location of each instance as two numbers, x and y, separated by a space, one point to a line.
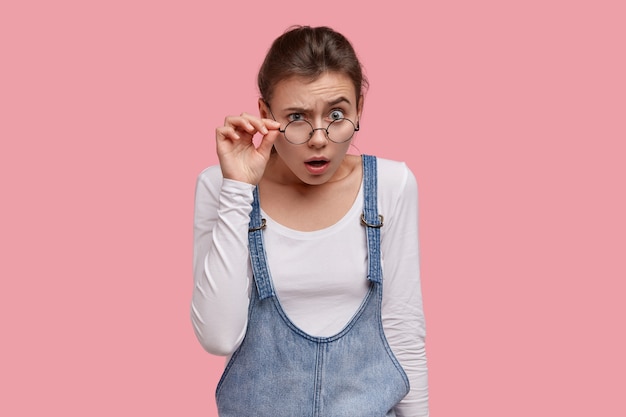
298 132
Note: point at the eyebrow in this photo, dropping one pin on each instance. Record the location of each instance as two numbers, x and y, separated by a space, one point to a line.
338 100
331 103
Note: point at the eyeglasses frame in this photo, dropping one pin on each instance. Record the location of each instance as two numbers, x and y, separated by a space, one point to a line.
313 129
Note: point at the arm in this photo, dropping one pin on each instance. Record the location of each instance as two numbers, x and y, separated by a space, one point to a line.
219 307
402 310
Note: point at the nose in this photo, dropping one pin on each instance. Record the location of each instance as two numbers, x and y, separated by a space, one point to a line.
320 139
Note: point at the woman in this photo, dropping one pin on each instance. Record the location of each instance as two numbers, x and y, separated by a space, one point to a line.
290 237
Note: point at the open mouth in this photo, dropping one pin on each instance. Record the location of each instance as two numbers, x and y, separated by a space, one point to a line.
317 163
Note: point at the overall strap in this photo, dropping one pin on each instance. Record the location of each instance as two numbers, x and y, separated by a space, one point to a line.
371 219
258 257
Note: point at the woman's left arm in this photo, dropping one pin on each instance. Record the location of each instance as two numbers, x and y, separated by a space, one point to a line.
402 309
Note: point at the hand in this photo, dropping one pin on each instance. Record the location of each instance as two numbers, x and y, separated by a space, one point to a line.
239 158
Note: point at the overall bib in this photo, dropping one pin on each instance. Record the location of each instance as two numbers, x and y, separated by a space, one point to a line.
281 371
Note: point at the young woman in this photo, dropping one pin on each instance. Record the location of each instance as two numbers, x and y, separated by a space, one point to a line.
306 262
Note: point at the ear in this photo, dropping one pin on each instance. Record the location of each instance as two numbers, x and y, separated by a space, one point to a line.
263 109
359 107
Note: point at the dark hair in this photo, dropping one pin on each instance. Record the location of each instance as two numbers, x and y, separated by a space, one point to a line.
309 52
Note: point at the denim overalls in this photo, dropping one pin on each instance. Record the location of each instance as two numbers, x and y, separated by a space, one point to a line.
281 371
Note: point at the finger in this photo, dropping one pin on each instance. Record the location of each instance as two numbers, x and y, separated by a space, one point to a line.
271 124
227 132
261 125
247 123
242 121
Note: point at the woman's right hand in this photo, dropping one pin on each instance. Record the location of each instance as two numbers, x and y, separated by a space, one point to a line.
239 158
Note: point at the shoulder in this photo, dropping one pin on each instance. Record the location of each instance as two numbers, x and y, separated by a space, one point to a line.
208 184
211 175
395 177
210 178
397 196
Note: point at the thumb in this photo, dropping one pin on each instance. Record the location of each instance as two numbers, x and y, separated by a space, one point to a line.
265 147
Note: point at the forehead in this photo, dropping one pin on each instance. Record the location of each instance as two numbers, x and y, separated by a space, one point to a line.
306 92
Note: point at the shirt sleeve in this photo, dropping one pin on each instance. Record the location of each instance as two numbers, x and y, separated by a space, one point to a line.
402 309
221 267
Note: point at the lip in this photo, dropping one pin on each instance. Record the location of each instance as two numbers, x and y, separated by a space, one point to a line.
317 165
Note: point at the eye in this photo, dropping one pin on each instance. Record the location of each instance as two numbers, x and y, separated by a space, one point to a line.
336 114
293 117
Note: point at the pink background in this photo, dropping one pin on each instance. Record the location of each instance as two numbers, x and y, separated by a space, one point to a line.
511 114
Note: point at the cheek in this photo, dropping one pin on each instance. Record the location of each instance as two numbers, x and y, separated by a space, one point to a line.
342 149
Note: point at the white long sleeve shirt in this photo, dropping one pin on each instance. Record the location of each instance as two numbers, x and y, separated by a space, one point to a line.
319 276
